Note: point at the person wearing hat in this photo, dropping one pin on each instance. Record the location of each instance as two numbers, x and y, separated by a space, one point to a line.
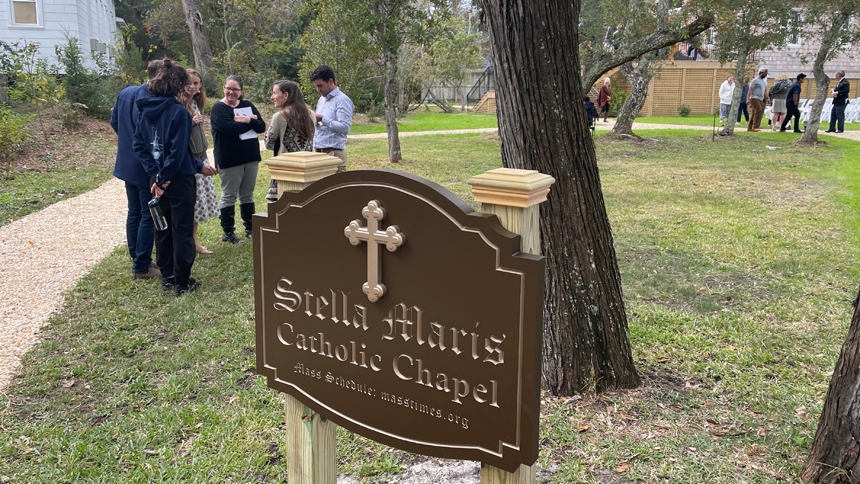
757 99
792 103
840 99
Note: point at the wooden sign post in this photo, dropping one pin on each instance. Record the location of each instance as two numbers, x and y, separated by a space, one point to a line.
513 196
311 438
388 306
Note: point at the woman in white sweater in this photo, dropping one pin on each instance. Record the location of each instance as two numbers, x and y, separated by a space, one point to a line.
727 89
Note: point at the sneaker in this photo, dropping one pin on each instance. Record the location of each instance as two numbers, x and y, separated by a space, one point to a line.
150 273
192 286
167 284
231 237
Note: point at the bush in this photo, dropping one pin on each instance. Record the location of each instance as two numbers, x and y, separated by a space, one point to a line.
618 99
684 110
93 90
15 133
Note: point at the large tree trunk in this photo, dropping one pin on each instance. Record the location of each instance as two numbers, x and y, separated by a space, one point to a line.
740 81
822 80
836 448
542 125
639 77
199 36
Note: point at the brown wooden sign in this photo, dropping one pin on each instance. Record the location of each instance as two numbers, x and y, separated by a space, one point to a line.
389 306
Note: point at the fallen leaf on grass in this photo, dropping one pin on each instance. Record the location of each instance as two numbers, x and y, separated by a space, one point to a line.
623 467
148 452
719 432
582 428
68 384
762 432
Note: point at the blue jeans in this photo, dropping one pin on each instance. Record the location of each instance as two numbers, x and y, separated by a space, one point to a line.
138 227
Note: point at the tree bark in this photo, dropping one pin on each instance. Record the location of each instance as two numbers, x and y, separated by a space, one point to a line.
390 81
836 448
199 36
543 127
639 77
822 80
657 40
740 81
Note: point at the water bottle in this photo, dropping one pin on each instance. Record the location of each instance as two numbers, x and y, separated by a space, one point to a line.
158 218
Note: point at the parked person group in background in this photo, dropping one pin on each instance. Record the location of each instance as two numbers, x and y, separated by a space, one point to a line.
742 107
778 93
194 99
333 116
840 100
792 104
235 126
162 143
757 98
727 90
292 128
603 98
139 231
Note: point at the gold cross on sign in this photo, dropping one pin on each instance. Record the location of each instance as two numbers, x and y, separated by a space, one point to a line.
391 237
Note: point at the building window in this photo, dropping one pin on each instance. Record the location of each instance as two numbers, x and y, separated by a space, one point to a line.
795 24
24 12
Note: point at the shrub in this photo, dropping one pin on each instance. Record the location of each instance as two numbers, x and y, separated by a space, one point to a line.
684 110
15 133
619 97
88 88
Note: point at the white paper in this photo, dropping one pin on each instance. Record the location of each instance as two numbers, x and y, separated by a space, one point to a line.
250 134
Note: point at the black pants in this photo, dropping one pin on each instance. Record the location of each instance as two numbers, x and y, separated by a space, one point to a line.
837 118
175 246
743 109
791 110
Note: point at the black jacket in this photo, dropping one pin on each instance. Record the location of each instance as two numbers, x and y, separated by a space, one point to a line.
842 89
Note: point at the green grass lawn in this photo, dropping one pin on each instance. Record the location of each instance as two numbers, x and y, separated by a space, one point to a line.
738 266
419 121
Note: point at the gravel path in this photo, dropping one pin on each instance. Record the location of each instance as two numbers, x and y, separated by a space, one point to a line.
45 253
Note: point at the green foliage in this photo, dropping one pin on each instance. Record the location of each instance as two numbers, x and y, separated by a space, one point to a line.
93 90
618 99
454 53
684 110
128 58
15 133
28 76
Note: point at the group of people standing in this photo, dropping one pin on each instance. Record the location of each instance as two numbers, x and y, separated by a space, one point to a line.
162 158
784 98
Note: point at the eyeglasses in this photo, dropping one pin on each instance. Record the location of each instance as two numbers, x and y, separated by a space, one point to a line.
232 89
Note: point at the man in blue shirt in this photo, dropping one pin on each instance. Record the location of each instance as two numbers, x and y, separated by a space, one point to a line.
792 100
333 115
140 233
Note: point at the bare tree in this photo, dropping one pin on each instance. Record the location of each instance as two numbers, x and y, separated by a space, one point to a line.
199 36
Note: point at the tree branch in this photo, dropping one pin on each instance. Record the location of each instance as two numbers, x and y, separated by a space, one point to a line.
657 40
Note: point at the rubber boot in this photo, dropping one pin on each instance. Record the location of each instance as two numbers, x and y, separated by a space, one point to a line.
228 216
247 211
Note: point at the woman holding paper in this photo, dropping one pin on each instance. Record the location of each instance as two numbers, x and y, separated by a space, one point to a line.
236 123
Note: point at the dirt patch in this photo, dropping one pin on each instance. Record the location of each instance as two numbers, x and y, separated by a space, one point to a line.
53 146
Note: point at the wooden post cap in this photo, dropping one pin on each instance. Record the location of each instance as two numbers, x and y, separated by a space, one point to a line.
302 166
511 187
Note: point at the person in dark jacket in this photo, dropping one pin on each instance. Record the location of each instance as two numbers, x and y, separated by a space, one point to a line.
590 110
237 155
792 103
161 143
840 100
138 224
742 107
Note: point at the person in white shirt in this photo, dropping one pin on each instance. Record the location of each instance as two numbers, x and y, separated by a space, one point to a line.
727 89
333 116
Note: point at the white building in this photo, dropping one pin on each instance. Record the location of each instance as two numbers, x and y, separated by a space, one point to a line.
48 22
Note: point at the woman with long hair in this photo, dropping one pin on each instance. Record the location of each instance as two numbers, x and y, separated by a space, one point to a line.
777 95
161 142
194 99
292 128
235 124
